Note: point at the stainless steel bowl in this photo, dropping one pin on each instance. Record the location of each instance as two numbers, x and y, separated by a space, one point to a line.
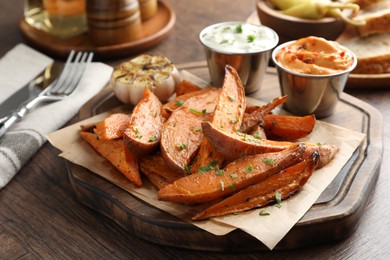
311 94
250 65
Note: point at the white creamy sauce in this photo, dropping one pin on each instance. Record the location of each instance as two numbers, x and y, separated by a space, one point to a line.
238 37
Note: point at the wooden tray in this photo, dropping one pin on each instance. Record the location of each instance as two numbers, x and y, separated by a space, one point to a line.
334 216
155 30
355 81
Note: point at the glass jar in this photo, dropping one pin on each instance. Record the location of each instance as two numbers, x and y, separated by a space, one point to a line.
61 18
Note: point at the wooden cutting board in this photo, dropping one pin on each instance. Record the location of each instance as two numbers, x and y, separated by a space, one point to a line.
334 216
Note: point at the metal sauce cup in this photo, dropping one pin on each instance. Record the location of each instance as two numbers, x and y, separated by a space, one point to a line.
249 61
308 93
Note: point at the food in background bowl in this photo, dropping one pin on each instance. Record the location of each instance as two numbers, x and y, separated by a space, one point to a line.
312 73
290 27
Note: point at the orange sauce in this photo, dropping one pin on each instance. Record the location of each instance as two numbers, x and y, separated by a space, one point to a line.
314 55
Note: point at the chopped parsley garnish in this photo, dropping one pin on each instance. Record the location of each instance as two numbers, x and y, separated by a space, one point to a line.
264 212
208 167
153 138
181 146
257 136
248 169
224 41
220 172
233 175
179 103
138 134
187 168
238 28
278 199
197 112
268 161
231 186
251 38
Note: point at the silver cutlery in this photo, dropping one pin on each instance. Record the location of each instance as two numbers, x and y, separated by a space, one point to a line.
60 89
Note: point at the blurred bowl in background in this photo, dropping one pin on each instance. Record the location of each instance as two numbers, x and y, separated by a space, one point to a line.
290 28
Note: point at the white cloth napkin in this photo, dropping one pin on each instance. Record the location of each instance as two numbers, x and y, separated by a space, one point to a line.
24 138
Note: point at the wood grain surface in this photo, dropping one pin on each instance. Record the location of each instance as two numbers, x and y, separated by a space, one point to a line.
41 217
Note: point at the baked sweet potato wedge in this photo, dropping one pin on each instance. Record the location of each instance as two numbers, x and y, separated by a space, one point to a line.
282 185
169 107
143 133
182 133
256 116
326 151
185 87
289 128
228 115
237 175
115 152
112 127
156 164
235 145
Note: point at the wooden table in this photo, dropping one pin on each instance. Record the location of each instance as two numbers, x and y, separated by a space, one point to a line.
40 217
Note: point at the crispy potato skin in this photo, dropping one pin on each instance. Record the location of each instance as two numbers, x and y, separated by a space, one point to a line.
185 87
112 127
289 128
285 182
255 115
235 145
227 116
115 152
182 134
157 171
326 151
142 136
237 175
169 107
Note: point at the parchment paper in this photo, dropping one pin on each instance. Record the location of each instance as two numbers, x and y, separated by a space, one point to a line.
267 229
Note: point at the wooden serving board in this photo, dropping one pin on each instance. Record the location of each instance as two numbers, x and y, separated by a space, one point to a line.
334 216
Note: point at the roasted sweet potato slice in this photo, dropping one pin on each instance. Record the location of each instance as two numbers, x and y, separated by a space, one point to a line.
289 128
237 175
235 145
185 87
115 152
143 133
155 164
157 171
158 181
326 151
284 183
256 116
182 133
169 107
112 127
227 116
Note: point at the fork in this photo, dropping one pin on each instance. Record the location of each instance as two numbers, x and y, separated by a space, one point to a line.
60 89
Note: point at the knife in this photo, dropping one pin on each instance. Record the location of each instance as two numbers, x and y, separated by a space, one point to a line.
30 90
